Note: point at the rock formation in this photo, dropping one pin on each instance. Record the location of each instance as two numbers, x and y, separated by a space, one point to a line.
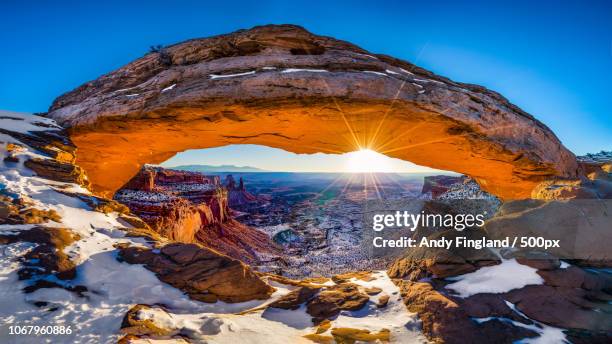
282 86
238 196
192 208
437 185
176 203
60 246
203 273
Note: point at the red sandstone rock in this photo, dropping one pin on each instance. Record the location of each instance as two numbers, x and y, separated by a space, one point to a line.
438 185
192 208
282 86
328 303
202 273
444 320
237 194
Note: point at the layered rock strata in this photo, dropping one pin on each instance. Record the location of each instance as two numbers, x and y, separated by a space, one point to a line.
282 86
192 208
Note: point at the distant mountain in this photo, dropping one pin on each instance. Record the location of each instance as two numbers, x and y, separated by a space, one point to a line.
216 169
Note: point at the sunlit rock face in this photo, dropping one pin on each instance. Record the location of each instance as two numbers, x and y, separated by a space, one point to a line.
284 87
190 207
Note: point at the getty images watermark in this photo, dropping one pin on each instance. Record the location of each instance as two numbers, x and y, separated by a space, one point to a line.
569 229
410 221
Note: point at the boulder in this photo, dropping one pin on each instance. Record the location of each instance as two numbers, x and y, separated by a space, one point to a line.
295 298
572 308
581 226
444 320
201 272
328 303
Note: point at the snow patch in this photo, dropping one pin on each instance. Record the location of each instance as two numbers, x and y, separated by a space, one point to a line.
218 76
295 70
375 72
548 334
496 279
24 122
168 88
367 55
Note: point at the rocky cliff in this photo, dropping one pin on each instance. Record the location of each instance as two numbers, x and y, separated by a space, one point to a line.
239 197
437 185
73 255
282 86
191 207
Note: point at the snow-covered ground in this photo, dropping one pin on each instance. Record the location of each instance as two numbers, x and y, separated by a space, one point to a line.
499 278
95 318
280 326
113 287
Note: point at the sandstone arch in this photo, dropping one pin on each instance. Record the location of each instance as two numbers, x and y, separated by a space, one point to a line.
284 87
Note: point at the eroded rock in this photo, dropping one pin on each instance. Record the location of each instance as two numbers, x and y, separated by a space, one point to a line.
48 257
282 86
202 273
295 298
191 207
328 303
444 320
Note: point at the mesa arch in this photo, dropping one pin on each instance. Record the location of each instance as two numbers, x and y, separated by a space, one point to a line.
281 86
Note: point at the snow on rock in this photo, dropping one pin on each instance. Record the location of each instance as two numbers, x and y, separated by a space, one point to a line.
403 325
24 122
367 55
375 72
168 88
499 278
295 70
548 334
109 288
272 325
218 76
95 316
601 157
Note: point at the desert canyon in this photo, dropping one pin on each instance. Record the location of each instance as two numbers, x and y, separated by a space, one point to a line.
94 232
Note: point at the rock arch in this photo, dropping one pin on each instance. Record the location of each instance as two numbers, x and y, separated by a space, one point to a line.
284 87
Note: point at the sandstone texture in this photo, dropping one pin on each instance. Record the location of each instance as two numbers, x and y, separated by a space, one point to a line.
238 196
48 257
190 207
204 274
282 86
328 303
438 185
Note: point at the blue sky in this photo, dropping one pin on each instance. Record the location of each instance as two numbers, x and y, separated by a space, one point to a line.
551 58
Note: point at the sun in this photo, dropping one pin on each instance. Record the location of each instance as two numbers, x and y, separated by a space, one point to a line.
367 161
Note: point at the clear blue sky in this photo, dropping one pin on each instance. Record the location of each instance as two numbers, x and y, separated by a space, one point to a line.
552 58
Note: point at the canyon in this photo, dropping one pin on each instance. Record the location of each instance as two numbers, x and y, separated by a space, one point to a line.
92 235
190 207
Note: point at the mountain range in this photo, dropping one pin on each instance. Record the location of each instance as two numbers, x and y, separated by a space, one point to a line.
219 168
